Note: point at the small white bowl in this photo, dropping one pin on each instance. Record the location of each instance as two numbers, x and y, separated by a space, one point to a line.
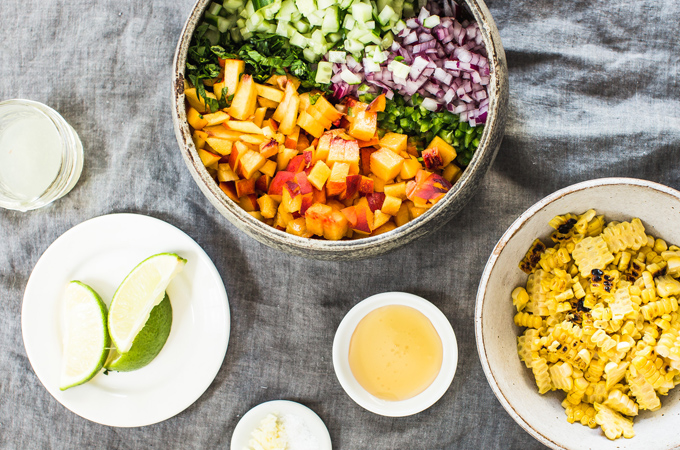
251 420
542 416
412 405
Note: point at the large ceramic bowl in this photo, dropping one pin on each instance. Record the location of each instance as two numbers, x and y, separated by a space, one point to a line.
542 416
435 218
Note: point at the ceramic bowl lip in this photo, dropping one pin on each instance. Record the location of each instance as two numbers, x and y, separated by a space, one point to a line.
412 405
486 148
500 246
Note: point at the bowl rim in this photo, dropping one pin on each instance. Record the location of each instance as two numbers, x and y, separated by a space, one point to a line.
510 233
420 402
369 246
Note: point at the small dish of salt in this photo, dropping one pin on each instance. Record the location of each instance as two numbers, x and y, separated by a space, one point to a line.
280 425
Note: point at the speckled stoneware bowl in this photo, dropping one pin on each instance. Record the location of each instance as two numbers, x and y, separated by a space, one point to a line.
542 416
439 215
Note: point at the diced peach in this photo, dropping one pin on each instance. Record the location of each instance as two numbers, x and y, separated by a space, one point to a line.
452 173
269 92
378 104
245 100
244 126
233 68
248 202
298 227
229 189
197 102
319 174
279 180
379 219
259 116
352 186
292 138
257 215
292 199
268 206
365 218
304 102
389 226
374 142
416 211
284 157
301 179
251 162
266 103
402 217
391 205
375 200
395 142
196 119
221 146
319 117
262 183
315 217
199 137
220 131
431 158
427 187
244 187
364 125
307 202
337 181
297 164
281 110
218 88
290 115
269 148
446 151
208 158
269 168
328 110
366 185
216 118
396 190
410 168
224 173
311 126
282 217
350 214
323 148
319 195
302 143
366 153
386 164
335 226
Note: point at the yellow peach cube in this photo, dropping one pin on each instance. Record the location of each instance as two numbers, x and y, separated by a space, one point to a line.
395 142
319 174
269 168
386 164
391 205
396 190
446 151
451 173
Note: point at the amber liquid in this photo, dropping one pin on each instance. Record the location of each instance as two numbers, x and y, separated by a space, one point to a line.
395 352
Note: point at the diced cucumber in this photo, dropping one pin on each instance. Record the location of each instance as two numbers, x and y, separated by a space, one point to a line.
248 11
349 78
324 72
386 15
269 11
337 57
212 34
353 46
214 8
233 5
284 29
345 4
288 9
235 35
362 12
364 88
323 4
380 56
371 66
331 23
245 34
334 37
408 11
398 69
316 18
387 40
223 24
400 25
241 23
369 37
306 7
381 4
309 55
317 42
398 7
253 22
349 22
298 40
431 22
211 18
268 27
370 25
302 26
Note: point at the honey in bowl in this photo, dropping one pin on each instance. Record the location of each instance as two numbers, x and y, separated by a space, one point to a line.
395 352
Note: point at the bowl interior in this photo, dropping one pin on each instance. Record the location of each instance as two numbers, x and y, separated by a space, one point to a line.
543 416
432 220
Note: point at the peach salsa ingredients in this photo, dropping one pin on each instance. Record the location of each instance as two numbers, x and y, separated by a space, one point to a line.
275 128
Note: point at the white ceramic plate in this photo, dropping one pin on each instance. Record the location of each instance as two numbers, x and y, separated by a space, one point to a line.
252 419
101 252
360 395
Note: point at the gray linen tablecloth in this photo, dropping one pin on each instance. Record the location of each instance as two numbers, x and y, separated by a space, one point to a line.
594 93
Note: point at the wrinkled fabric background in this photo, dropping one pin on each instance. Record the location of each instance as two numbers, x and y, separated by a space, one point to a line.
594 93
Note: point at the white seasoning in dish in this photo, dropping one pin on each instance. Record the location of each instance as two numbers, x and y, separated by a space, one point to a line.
269 435
298 434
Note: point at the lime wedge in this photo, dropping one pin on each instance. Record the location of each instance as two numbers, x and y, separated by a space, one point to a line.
148 343
86 340
136 296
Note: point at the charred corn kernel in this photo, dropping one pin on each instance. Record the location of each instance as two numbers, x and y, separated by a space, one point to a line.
658 308
528 320
520 298
648 295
